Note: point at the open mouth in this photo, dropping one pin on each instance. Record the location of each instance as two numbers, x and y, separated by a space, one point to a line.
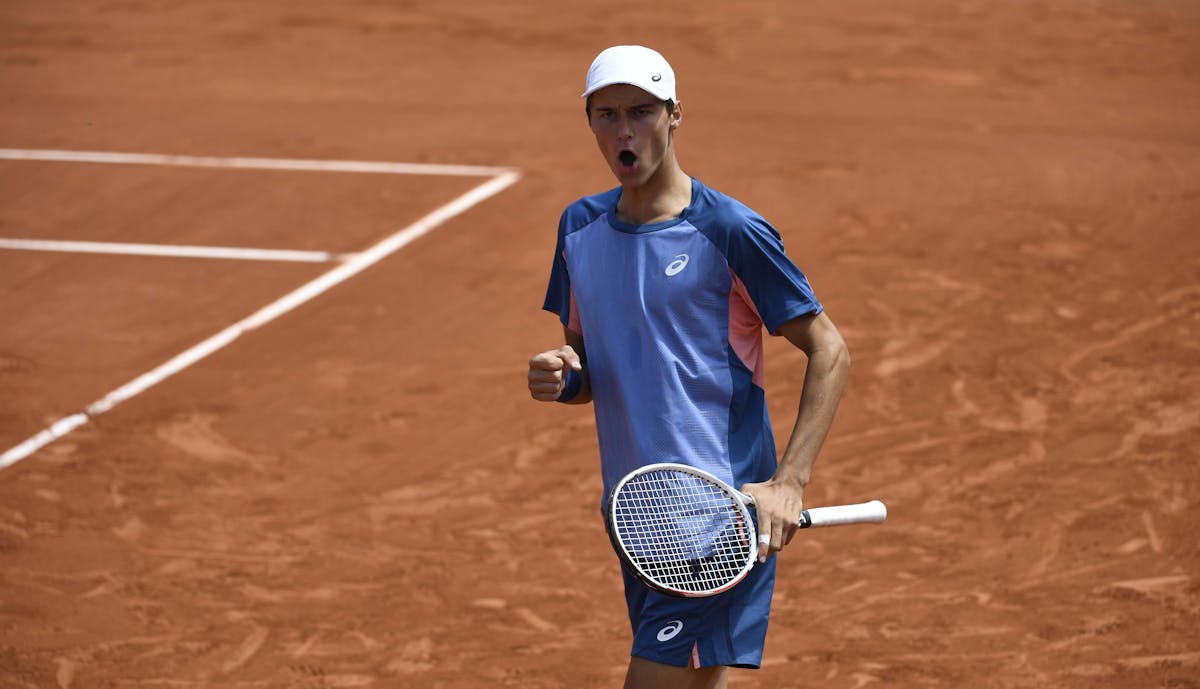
627 158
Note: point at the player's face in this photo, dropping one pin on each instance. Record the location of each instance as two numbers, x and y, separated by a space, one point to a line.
633 129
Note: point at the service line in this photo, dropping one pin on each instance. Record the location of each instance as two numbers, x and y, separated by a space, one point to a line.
290 164
353 265
170 250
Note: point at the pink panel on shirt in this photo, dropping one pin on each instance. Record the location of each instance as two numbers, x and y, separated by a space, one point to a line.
573 318
745 329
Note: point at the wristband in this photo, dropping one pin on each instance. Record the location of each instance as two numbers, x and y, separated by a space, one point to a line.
574 381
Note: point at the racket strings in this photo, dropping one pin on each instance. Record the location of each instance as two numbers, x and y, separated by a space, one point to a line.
683 532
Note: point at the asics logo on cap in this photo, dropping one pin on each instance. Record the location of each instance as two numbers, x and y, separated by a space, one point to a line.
676 267
656 77
671 630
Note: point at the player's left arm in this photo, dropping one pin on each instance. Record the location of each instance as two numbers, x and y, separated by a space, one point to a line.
780 500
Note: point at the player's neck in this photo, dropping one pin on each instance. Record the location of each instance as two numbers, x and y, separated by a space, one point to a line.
661 198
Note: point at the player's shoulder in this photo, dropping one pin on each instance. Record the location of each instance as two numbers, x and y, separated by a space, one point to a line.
720 215
583 211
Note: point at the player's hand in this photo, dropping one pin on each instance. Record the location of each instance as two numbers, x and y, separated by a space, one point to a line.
547 372
778 506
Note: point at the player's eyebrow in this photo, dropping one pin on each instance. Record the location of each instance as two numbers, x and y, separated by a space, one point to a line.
635 106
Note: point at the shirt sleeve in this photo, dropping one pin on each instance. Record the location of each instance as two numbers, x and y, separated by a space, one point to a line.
779 289
558 292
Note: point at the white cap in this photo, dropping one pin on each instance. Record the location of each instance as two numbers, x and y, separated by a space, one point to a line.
634 65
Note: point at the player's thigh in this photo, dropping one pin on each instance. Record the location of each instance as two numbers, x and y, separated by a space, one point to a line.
647 674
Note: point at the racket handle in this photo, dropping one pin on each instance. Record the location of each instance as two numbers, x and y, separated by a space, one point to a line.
872 512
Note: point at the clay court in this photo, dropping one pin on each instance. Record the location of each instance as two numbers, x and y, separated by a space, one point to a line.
997 203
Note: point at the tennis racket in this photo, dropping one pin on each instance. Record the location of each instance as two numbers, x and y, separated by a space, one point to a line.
684 532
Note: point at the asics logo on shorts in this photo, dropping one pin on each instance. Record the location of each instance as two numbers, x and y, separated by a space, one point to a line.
676 267
671 630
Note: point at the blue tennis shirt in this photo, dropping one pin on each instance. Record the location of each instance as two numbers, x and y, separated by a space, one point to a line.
672 316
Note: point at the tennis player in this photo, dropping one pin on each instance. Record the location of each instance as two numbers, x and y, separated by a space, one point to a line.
664 286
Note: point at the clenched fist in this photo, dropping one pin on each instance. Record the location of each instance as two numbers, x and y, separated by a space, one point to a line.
548 372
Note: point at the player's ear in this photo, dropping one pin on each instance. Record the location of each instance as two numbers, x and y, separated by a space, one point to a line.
675 115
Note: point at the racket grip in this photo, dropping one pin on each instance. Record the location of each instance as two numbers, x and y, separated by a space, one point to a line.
872 512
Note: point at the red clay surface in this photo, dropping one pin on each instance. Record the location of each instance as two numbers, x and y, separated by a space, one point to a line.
997 202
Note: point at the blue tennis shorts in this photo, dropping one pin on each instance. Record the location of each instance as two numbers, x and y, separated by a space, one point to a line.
727 629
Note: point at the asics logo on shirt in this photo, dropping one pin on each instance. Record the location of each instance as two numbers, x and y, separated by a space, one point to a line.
671 630
676 267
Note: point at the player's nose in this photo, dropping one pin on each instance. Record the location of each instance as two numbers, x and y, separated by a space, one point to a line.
624 129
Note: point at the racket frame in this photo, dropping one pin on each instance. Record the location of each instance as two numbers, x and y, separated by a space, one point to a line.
740 501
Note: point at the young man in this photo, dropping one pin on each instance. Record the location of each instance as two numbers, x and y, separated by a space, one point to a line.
663 287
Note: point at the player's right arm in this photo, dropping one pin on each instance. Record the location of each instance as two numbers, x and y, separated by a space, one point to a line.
549 371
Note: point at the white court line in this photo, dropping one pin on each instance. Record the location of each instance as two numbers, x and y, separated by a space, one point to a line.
279 307
172 250
373 167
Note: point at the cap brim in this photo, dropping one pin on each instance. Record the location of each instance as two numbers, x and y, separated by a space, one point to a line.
612 82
